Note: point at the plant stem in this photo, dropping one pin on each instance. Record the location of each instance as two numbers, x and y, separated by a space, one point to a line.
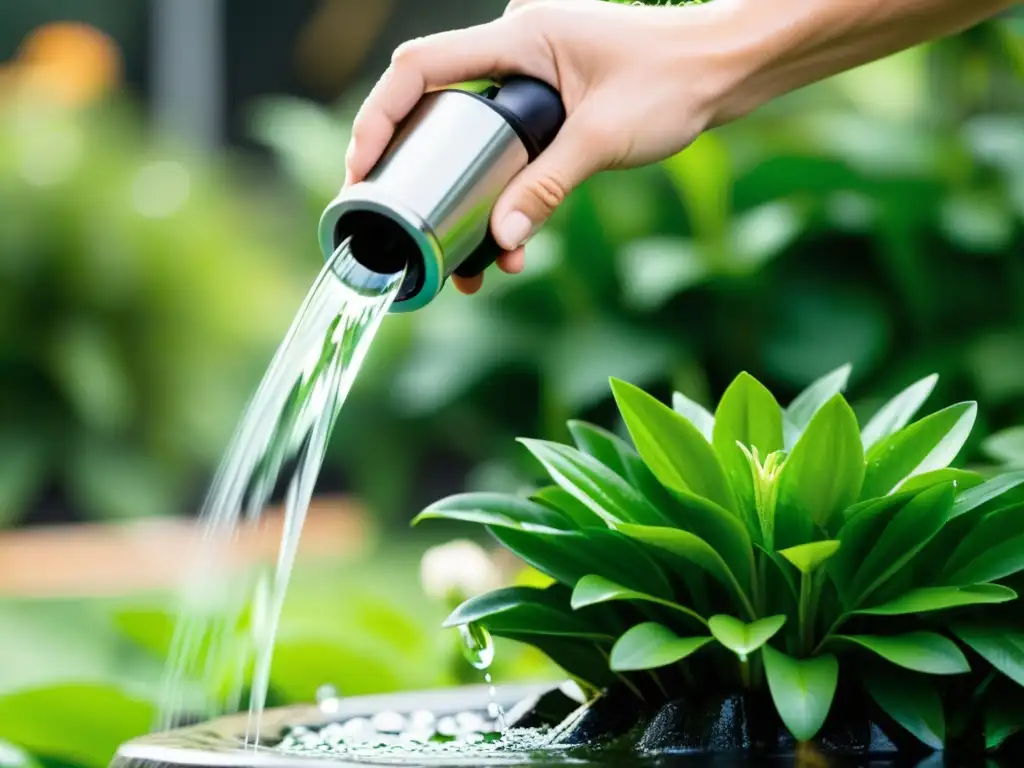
745 673
803 606
828 635
657 682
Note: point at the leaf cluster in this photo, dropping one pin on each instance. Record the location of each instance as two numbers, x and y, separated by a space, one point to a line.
762 547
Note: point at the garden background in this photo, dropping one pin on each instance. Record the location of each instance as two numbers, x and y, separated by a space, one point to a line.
163 165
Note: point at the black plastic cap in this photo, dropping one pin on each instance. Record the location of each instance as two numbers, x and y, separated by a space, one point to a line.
533 109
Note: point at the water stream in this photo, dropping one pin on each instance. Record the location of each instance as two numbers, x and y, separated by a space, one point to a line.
226 626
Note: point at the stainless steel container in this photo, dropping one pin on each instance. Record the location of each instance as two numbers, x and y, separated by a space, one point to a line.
426 206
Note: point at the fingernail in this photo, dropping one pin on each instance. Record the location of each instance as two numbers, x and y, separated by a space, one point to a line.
514 229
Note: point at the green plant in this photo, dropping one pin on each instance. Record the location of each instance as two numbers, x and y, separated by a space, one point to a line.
764 548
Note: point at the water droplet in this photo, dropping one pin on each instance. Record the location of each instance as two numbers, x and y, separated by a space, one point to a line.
477 645
327 699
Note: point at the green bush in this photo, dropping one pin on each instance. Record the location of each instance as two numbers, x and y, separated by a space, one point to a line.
767 548
140 297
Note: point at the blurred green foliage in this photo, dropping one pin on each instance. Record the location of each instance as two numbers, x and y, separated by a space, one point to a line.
140 297
874 218
79 677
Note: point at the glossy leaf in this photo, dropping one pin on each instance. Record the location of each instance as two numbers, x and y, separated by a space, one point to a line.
591 483
568 557
601 445
906 534
695 413
808 557
523 610
747 414
802 689
926 652
897 413
975 497
614 452
721 529
497 509
986 547
928 444
803 408
822 475
963 478
582 659
560 500
1003 559
928 599
650 646
742 638
671 446
687 546
864 525
912 701
594 590
1001 645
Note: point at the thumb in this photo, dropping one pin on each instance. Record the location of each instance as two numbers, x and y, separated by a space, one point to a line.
533 195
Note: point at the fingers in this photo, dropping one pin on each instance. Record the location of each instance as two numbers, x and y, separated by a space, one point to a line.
487 50
543 185
512 263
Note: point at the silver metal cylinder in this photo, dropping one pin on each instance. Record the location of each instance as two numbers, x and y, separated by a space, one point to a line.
426 206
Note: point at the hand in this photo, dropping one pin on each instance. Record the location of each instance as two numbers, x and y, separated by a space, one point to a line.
637 89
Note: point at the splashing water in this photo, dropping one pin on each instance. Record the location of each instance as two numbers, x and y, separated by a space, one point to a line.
226 628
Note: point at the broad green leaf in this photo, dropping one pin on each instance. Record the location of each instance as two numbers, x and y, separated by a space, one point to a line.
78 724
910 700
591 483
593 590
1003 559
963 478
928 444
1001 645
673 448
742 638
987 544
719 528
746 414
560 500
695 413
928 599
906 534
808 557
615 453
822 476
650 646
803 408
802 689
568 557
497 509
584 660
858 536
975 497
689 547
523 610
926 652
601 445
897 413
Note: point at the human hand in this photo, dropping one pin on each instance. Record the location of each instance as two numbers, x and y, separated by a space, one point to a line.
636 89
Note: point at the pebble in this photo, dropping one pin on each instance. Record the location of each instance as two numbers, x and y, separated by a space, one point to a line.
389 722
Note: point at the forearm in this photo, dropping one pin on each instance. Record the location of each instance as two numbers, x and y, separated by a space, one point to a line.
773 47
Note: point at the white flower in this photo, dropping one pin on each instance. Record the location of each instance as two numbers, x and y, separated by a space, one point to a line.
460 567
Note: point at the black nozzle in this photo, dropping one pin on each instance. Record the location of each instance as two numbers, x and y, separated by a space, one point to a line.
532 108
382 246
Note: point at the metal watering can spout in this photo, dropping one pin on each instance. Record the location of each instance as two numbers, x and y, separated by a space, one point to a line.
425 207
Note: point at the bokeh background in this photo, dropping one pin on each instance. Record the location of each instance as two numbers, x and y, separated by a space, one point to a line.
163 165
